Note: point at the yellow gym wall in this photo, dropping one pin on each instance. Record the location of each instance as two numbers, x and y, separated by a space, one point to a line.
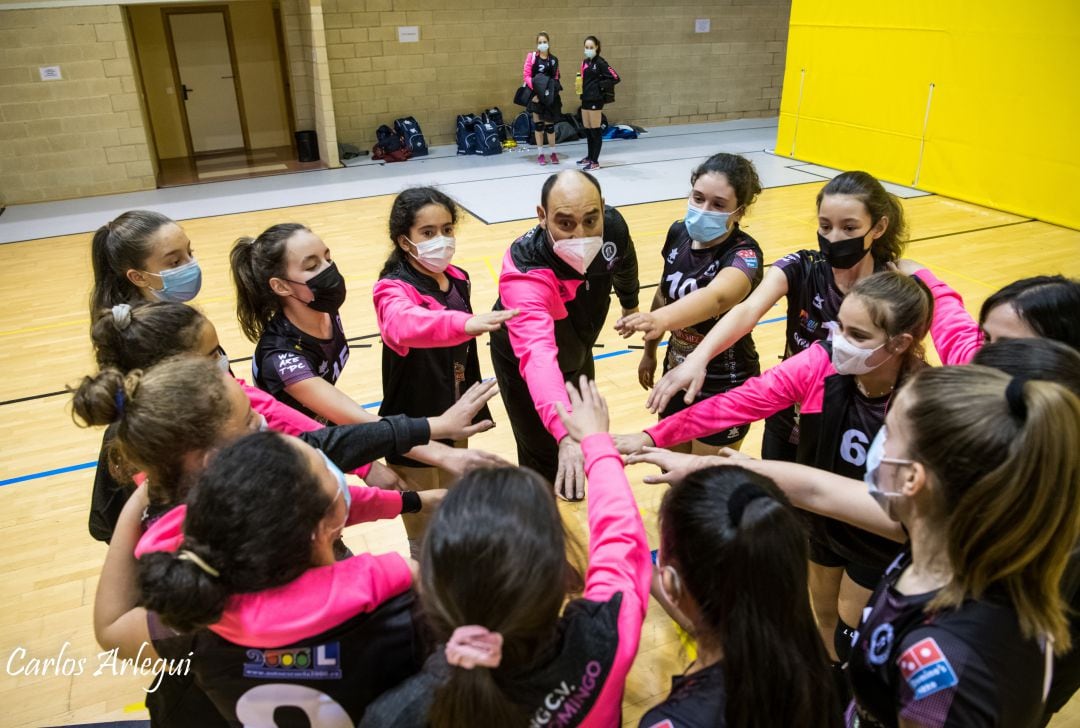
1005 112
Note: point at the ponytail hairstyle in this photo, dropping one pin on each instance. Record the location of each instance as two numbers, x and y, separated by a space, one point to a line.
741 553
899 304
403 216
1002 455
117 247
880 203
254 262
494 556
740 173
174 408
1043 359
138 337
252 526
596 42
1049 305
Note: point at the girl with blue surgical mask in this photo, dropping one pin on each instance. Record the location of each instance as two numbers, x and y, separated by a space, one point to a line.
142 256
861 231
710 265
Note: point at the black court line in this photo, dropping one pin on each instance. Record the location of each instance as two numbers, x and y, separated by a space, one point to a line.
975 230
46 395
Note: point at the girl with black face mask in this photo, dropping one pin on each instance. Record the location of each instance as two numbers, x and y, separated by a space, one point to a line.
288 294
861 230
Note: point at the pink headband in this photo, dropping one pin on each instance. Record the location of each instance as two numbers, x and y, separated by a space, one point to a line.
473 645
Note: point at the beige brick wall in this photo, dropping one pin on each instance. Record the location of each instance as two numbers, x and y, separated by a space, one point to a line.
309 73
471 51
80 136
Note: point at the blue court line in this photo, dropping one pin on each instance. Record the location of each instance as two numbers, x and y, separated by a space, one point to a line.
85 466
47 473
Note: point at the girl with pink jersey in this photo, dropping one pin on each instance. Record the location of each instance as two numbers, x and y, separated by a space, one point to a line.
429 331
509 653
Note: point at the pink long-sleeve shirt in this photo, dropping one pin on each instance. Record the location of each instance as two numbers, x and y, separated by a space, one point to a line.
797 380
955 333
541 297
619 561
320 598
408 319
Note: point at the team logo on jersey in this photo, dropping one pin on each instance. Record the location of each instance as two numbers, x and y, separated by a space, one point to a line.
289 363
608 251
880 644
818 301
317 662
926 668
672 255
733 433
749 258
711 270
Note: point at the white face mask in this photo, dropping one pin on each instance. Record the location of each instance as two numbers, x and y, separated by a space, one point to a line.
850 359
435 254
875 458
223 361
542 47
577 252
590 53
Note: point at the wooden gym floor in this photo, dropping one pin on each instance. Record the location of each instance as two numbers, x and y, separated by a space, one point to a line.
49 564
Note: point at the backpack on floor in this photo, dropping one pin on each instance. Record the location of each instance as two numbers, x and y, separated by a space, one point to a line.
388 139
620 131
466 140
495 116
487 139
522 128
408 129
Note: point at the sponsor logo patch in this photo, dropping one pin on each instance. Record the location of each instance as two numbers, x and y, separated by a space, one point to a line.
317 662
926 669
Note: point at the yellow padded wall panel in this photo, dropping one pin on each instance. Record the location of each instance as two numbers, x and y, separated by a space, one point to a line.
1005 116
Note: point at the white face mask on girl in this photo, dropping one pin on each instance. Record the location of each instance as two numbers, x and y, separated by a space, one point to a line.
850 359
542 47
577 253
435 254
875 458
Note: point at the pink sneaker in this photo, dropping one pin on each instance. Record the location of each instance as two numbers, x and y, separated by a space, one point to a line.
542 160
554 158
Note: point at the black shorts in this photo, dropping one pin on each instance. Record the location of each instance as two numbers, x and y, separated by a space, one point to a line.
543 113
592 105
865 575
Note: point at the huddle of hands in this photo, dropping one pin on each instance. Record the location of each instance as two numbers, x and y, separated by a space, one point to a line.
588 416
